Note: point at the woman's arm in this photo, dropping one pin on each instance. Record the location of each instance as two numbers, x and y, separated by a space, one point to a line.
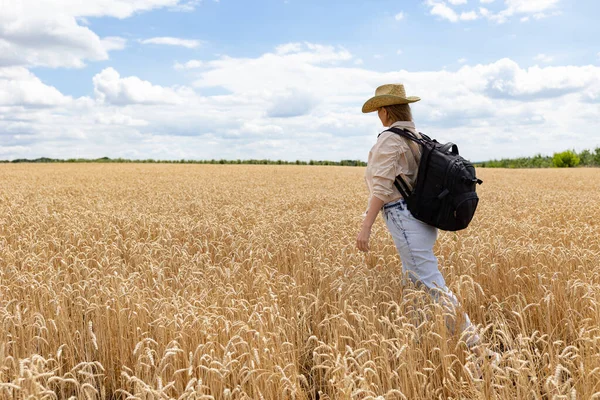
362 241
383 162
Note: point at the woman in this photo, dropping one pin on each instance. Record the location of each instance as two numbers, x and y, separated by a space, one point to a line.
394 155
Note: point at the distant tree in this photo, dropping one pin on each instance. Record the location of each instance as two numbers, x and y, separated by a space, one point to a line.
352 163
540 161
597 156
565 159
586 158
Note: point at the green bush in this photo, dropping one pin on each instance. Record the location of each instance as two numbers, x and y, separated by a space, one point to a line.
596 156
586 158
565 159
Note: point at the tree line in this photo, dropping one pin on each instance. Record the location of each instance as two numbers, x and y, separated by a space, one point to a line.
565 159
344 163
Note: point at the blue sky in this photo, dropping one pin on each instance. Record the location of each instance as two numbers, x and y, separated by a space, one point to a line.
172 79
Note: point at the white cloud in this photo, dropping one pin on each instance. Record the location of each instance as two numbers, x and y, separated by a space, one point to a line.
111 43
173 41
537 9
399 52
461 60
530 6
192 64
527 9
468 16
510 81
279 70
117 118
53 43
543 58
399 17
109 87
186 6
54 33
8 151
542 15
310 53
109 8
20 87
320 89
443 11
288 48
293 103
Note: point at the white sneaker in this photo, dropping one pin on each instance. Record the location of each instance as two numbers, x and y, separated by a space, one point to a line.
492 357
479 357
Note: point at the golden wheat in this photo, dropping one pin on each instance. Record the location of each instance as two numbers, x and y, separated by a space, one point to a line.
243 282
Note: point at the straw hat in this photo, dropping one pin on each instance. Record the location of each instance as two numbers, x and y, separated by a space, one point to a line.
388 95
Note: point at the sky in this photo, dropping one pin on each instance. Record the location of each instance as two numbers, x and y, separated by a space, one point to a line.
286 79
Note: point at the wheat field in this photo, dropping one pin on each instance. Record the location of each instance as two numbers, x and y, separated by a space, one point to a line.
146 281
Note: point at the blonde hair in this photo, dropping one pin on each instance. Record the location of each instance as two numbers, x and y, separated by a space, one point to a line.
398 112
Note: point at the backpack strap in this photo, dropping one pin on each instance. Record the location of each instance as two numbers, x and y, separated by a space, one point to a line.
404 133
402 187
447 148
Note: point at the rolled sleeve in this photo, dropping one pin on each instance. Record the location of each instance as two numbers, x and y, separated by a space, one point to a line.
385 168
383 182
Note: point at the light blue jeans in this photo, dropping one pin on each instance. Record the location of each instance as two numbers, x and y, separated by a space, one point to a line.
414 241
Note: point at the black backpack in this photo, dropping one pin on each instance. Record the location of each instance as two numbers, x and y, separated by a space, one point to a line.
444 195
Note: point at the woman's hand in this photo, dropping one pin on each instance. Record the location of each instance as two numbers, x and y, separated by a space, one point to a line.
362 241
